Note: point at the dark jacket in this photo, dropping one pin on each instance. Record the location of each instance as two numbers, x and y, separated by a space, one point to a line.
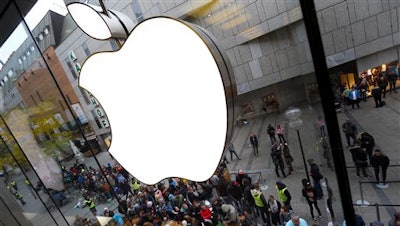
254 140
376 92
361 157
276 155
349 128
367 140
309 193
234 190
315 172
382 160
271 130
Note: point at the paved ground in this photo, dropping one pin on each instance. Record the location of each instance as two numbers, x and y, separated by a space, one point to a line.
383 123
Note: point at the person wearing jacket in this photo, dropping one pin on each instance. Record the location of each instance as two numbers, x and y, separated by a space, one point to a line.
380 161
271 133
261 205
350 131
376 92
275 210
277 159
254 143
284 194
309 194
367 143
231 214
354 97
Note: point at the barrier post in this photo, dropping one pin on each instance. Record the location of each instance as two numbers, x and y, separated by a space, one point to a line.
362 202
378 216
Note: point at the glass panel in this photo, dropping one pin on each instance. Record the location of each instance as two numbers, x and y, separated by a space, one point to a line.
56 134
364 76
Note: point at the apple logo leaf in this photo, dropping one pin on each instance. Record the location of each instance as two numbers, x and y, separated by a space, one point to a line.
98 24
168 95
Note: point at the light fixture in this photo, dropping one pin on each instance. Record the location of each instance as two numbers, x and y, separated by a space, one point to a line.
383 67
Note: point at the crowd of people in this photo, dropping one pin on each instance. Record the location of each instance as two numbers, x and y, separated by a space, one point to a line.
382 82
365 154
224 199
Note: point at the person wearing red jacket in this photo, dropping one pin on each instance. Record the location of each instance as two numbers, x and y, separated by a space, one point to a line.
205 213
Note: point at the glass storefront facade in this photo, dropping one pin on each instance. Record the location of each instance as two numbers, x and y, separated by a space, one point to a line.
290 70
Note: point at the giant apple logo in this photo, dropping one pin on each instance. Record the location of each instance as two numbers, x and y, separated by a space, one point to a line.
167 93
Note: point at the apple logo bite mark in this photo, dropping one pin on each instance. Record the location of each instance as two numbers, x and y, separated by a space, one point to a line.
167 93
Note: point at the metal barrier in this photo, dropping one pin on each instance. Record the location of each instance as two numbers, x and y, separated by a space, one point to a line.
362 201
376 205
394 165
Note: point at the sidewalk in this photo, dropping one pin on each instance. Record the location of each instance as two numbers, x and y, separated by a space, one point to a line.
383 123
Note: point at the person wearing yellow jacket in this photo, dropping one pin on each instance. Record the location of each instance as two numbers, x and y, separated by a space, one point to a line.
284 194
261 205
90 204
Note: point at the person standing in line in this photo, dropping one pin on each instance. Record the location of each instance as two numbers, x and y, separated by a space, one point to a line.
367 143
232 151
363 88
382 82
379 160
345 94
392 78
316 175
283 194
232 215
271 133
354 96
309 194
285 215
240 177
261 205
254 143
248 200
350 131
288 158
361 161
274 209
90 204
276 156
279 131
376 92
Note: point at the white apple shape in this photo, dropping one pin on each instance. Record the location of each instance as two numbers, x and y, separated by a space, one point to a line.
95 23
167 95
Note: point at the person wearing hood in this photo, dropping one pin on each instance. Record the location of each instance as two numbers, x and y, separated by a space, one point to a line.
231 214
261 205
